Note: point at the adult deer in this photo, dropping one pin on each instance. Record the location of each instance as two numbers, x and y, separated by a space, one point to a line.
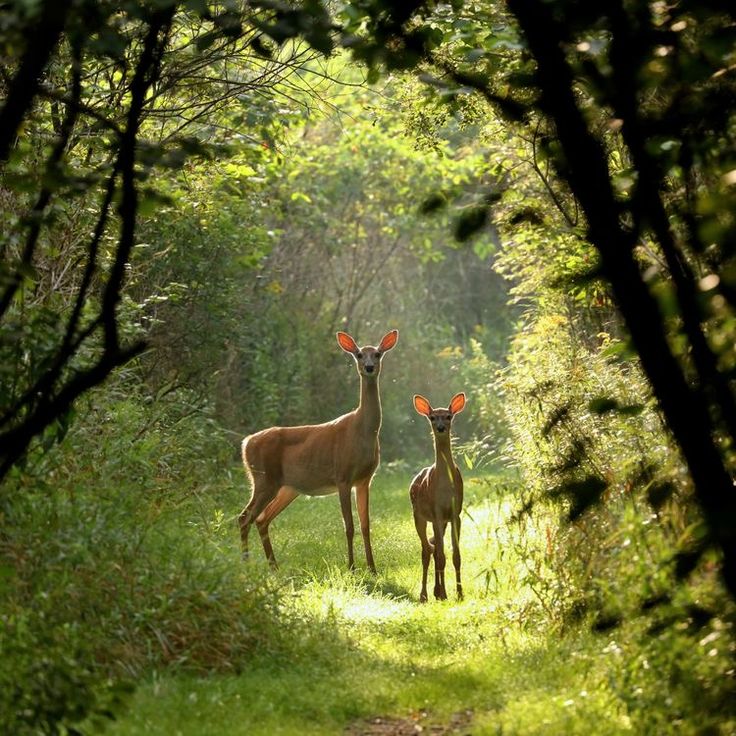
437 497
319 459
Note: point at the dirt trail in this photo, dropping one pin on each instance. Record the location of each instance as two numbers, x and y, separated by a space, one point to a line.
385 726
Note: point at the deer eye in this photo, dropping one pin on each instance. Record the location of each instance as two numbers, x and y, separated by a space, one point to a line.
377 354
360 356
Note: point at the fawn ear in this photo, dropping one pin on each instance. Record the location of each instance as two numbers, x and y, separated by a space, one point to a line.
347 343
389 340
458 403
422 405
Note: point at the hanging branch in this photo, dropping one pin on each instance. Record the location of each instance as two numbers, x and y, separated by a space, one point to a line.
648 208
53 403
24 85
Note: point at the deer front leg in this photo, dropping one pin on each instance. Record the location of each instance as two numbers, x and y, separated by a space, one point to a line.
455 529
285 495
421 526
346 507
362 496
439 561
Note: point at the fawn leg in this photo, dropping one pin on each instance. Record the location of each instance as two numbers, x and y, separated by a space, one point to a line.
439 560
455 529
421 526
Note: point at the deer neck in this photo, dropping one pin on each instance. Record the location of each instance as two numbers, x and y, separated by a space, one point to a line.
443 451
369 409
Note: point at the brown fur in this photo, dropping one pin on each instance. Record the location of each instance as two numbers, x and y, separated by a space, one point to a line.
436 494
320 459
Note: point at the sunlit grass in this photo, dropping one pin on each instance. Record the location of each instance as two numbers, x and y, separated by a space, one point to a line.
375 649
365 647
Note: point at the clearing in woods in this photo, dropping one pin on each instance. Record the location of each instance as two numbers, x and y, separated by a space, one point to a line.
375 661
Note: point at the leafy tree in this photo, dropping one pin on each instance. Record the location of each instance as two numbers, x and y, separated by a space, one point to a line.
98 97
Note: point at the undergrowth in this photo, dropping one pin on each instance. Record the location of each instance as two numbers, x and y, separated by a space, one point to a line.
113 582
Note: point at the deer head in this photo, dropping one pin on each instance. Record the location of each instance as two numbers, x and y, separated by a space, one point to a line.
440 419
368 358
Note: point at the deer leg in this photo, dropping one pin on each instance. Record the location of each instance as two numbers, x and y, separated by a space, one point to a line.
455 530
262 495
439 561
346 507
421 526
285 495
362 495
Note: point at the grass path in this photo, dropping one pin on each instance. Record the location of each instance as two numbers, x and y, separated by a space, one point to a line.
363 648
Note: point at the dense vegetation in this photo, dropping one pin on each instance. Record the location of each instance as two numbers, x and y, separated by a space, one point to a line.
197 195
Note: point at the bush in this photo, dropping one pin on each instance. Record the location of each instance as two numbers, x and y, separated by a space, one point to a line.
50 679
120 560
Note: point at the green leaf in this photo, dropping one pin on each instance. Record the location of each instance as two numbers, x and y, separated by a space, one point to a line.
373 75
602 405
433 203
659 493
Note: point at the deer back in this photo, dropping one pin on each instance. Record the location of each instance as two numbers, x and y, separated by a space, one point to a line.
315 458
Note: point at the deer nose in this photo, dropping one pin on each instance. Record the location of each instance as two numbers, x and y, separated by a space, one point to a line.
369 369
440 427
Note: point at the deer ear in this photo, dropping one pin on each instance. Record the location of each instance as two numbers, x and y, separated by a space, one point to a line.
389 340
422 405
347 343
458 403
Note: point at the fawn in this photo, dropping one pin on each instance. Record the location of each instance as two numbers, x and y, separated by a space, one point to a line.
437 497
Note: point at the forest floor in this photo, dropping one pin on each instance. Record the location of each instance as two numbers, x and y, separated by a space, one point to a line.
378 662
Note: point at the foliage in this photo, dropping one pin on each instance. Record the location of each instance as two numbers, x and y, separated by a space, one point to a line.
121 100
112 567
194 208
50 678
239 303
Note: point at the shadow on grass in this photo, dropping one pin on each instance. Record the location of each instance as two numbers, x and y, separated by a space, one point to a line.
388 589
326 685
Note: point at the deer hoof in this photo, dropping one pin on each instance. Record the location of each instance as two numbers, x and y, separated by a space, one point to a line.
423 597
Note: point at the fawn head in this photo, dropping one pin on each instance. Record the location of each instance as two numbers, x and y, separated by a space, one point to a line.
440 419
368 358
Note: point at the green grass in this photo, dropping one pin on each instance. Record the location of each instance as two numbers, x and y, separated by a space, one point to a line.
360 647
140 580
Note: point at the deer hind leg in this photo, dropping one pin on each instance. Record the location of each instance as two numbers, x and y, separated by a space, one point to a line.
455 530
263 492
440 593
362 495
284 496
346 506
421 526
